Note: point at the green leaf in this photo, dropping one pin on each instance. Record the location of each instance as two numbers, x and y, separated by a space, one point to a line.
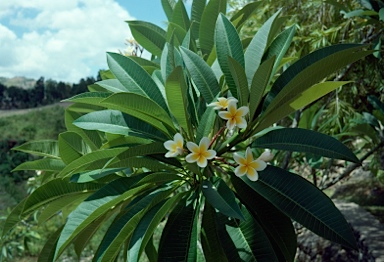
221 197
100 157
146 227
201 74
45 148
244 14
228 44
54 190
180 16
294 102
72 146
197 11
304 203
259 84
45 164
92 98
149 36
115 122
276 225
208 120
279 47
125 223
135 78
150 251
381 14
258 46
311 69
142 108
207 25
238 75
94 175
179 233
177 96
112 85
168 6
47 253
98 204
306 141
213 251
13 218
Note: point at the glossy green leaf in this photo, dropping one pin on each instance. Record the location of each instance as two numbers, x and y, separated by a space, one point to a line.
258 46
259 84
303 202
149 36
13 218
178 237
197 11
228 44
142 108
177 96
238 75
72 146
115 122
93 98
276 225
201 74
168 6
244 14
94 175
112 85
167 61
180 16
221 197
135 78
150 251
47 253
53 190
279 46
95 206
86 160
207 25
208 118
307 141
294 101
146 227
311 69
45 164
45 148
213 251
125 223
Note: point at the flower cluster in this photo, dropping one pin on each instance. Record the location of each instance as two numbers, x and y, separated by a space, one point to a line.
235 117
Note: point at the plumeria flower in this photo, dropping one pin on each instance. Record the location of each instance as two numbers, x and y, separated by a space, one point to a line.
200 153
266 156
234 116
174 146
248 166
222 103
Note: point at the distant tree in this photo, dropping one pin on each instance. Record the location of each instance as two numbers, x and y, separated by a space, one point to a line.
38 92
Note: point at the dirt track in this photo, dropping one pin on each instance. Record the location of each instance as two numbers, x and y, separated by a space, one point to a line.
5 113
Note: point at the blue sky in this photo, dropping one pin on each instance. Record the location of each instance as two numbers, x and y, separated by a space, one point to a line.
66 40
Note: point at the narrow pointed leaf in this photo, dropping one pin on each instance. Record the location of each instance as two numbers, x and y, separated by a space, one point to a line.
149 36
135 78
244 14
180 16
197 11
259 84
45 164
116 122
72 146
142 108
92 98
208 118
112 85
201 74
307 141
228 44
45 148
276 224
177 96
168 6
221 197
207 25
47 253
303 202
238 75
258 46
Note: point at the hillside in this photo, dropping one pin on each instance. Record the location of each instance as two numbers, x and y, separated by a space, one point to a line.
19 81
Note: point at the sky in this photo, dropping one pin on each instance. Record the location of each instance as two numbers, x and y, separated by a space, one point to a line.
66 40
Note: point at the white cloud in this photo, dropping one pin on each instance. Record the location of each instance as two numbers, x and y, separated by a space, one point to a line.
63 39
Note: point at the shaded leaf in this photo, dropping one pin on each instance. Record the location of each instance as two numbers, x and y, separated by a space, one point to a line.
45 148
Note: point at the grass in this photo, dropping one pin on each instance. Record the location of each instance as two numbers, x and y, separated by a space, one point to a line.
46 123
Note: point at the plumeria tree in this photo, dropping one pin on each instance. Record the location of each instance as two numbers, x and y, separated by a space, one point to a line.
183 144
